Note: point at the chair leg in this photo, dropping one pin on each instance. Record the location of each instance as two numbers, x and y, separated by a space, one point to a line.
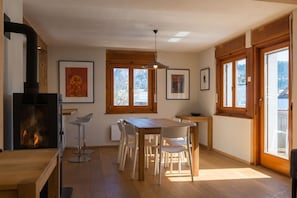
171 162
179 162
166 156
122 165
120 152
190 163
146 157
134 162
156 162
187 157
160 162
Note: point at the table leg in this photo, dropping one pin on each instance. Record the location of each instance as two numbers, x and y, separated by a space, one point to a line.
54 181
141 155
195 149
209 133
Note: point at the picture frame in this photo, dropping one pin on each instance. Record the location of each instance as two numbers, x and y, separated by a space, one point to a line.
177 84
76 81
204 79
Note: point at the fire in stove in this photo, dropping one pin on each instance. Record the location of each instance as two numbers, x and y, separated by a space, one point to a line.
33 130
29 139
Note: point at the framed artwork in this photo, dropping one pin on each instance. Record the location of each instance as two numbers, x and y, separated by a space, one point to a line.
76 80
177 84
204 79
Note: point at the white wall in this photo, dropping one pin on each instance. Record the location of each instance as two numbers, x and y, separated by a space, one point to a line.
226 130
98 132
233 136
206 98
13 63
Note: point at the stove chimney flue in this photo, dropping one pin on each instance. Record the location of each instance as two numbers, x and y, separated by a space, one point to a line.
31 85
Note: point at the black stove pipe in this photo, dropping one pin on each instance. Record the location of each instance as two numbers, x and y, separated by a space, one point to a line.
31 85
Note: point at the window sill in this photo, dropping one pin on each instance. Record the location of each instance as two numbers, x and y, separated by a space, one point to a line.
233 114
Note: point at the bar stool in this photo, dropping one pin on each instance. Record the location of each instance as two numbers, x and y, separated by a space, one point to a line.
85 119
81 122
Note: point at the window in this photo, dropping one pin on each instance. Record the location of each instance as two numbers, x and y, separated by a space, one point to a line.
130 88
233 86
121 86
234 92
234 76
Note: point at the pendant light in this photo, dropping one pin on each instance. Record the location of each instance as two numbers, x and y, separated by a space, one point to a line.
155 64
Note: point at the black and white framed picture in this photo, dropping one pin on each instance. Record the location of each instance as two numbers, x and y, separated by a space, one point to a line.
204 79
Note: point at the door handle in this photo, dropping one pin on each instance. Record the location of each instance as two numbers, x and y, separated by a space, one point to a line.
257 106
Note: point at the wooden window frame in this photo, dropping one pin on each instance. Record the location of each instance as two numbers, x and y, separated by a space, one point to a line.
233 61
230 52
130 60
231 111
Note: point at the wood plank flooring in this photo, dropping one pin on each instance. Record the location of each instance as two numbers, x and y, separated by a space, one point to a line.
219 177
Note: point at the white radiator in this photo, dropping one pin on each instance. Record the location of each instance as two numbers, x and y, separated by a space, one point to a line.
115 132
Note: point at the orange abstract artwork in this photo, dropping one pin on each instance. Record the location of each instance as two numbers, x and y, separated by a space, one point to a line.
76 82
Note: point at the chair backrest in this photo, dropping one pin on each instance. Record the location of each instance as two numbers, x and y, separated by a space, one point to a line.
175 132
191 123
130 129
176 119
120 124
131 134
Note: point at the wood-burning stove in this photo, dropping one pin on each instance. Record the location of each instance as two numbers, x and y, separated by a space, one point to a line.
37 117
37 121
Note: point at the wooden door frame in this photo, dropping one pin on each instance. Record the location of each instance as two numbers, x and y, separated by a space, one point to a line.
257 82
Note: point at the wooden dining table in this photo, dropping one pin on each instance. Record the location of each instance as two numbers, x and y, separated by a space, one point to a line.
153 126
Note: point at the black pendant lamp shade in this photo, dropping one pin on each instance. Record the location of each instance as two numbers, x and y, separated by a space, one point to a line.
155 64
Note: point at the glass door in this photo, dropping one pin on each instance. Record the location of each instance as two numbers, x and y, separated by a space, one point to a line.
275 108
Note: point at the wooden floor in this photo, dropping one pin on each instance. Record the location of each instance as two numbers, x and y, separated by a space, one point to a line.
219 177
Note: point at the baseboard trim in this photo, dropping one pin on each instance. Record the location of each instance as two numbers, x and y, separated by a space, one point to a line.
232 157
90 147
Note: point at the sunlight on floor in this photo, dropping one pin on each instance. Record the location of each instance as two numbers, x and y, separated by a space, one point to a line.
217 174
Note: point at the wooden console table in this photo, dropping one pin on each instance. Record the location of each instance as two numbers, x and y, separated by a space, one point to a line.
68 111
23 173
198 119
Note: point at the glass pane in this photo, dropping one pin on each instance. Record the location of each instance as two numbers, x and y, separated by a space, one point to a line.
140 87
120 87
240 83
276 103
227 85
